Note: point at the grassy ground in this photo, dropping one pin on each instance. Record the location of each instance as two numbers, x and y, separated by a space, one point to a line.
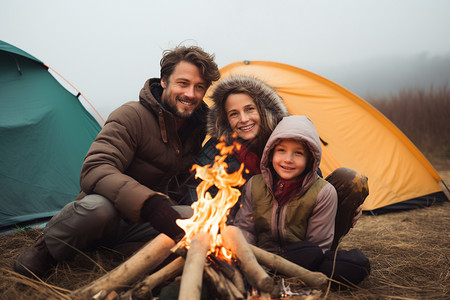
409 253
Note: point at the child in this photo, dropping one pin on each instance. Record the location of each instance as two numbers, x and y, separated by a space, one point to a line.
289 210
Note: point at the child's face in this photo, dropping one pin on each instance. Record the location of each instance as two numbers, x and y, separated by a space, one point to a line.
289 159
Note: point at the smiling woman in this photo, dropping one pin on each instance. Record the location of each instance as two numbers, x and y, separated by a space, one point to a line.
248 106
243 116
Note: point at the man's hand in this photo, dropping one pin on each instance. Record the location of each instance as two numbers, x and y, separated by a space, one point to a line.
358 214
160 214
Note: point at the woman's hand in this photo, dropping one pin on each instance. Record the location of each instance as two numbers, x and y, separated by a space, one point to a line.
358 214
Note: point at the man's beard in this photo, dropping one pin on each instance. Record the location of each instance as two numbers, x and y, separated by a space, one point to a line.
172 107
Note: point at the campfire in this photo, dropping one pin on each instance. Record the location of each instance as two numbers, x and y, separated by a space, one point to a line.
210 250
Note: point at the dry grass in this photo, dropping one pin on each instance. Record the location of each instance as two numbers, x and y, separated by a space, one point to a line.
66 276
409 252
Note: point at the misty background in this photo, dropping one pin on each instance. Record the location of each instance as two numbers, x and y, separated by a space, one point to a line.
107 49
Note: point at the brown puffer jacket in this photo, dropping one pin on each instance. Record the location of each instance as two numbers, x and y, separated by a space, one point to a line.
138 151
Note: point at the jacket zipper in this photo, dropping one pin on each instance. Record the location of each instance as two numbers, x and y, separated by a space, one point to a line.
278 214
280 241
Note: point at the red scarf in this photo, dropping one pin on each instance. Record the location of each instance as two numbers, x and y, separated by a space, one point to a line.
285 189
251 160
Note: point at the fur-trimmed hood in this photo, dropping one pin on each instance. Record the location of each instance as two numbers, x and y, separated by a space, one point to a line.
270 105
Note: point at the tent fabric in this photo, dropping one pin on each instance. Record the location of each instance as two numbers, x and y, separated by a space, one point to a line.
45 133
7 48
355 134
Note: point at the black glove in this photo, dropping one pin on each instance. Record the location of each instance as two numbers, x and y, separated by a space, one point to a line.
158 212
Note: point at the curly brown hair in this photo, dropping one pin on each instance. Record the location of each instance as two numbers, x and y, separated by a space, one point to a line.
194 55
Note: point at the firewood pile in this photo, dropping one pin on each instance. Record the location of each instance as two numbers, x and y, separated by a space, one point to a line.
245 276
210 252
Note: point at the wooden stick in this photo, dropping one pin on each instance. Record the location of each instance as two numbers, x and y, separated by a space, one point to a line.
238 280
230 271
255 274
180 249
143 261
288 268
191 279
222 265
143 290
112 296
233 291
214 278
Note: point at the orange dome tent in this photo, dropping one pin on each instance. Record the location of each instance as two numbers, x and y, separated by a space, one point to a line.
355 135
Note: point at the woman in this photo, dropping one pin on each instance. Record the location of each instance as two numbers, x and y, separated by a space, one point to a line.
252 108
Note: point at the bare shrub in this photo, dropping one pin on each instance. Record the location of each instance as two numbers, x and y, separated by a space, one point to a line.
423 116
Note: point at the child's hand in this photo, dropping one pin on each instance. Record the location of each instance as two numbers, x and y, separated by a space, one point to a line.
358 214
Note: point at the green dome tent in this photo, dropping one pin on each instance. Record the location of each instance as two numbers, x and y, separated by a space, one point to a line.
45 133
355 135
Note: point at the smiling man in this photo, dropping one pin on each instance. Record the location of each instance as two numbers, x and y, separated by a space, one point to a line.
126 172
183 90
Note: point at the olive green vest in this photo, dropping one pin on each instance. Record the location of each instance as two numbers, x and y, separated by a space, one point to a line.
288 222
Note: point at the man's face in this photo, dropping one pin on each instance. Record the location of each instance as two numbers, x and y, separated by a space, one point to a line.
183 90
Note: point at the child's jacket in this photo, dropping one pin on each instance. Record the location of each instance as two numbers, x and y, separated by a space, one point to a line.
308 216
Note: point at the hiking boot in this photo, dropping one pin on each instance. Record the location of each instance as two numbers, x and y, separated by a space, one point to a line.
35 260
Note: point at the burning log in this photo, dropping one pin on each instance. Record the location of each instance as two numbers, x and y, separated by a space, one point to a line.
143 261
255 274
229 270
191 280
221 265
285 267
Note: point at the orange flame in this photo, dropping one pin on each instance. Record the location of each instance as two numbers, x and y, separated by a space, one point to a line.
210 214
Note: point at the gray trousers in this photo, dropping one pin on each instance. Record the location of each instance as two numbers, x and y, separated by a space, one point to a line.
94 221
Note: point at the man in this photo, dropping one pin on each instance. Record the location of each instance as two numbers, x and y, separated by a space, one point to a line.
126 172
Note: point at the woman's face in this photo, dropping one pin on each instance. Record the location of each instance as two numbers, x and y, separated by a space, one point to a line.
243 115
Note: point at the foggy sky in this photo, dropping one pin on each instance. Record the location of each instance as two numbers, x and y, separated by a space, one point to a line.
107 49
